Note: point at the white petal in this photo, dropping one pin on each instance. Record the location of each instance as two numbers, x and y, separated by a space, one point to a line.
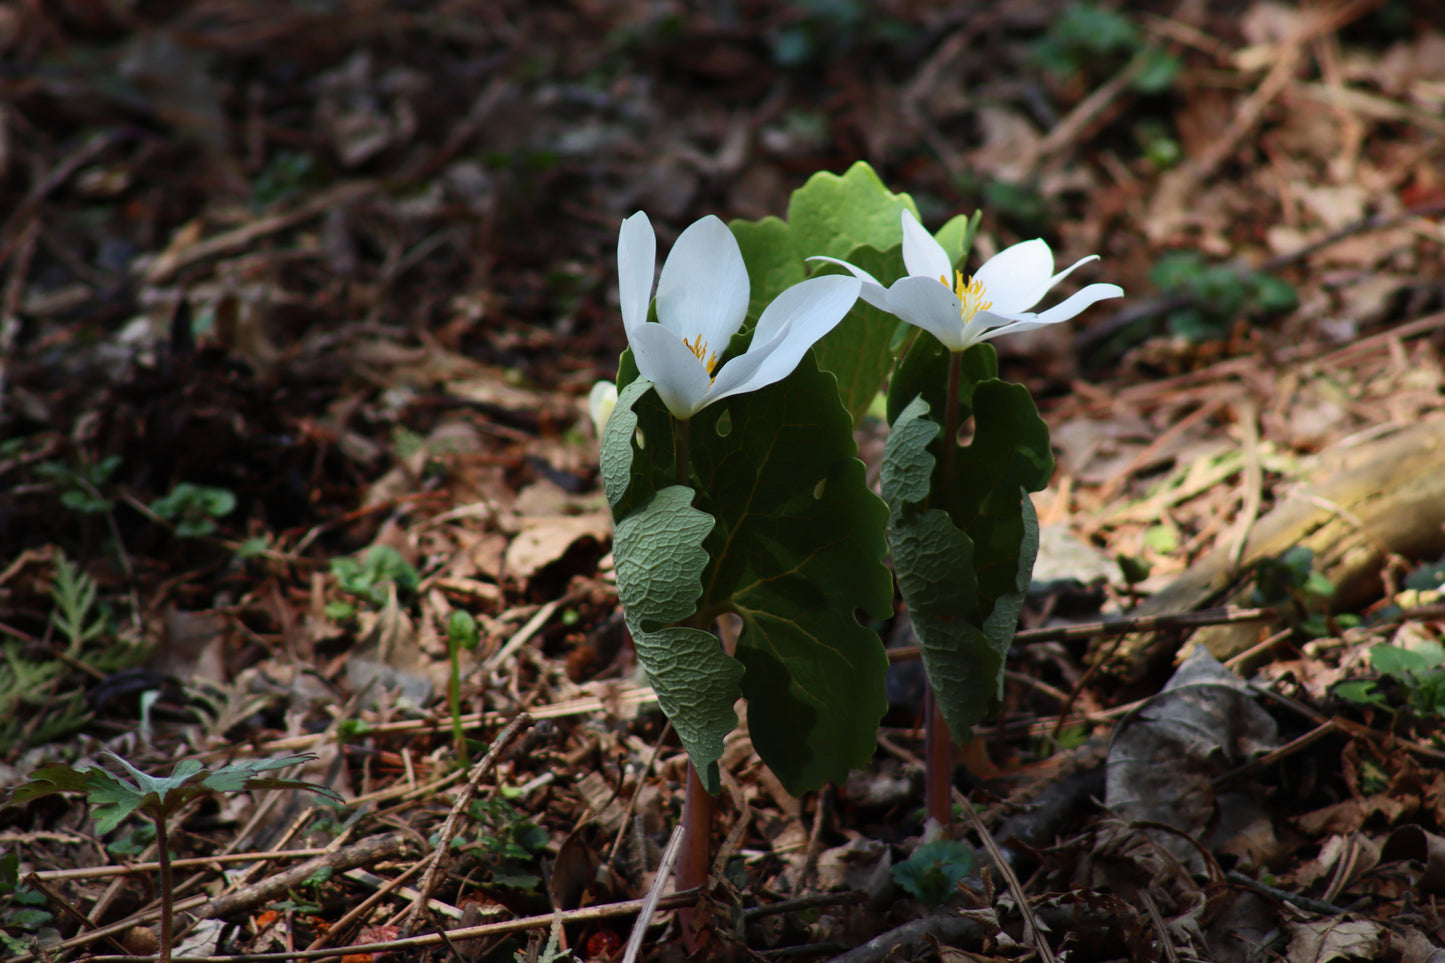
663 359
636 263
922 255
986 324
1016 278
795 321
1077 302
703 291
740 375
808 309
923 302
1070 269
872 292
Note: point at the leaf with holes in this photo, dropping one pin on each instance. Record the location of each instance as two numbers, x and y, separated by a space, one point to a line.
964 557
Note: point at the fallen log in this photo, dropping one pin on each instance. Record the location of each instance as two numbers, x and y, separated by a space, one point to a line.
1354 507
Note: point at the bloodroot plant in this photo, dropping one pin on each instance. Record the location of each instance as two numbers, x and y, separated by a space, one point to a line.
730 467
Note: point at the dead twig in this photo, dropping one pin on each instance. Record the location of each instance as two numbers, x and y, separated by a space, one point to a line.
436 860
172 260
1126 625
365 853
1253 482
1087 111
585 914
654 895
1033 932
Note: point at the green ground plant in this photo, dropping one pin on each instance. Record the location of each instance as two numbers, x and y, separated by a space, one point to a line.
462 635
114 797
932 874
1419 671
370 577
36 704
508 843
1218 294
193 509
81 486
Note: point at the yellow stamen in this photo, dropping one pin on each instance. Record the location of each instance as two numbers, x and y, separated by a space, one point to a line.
698 347
970 295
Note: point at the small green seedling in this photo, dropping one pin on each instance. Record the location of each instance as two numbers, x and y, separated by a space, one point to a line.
25 910
932 874
193 509
1290 580
368 578
1086 37
80 486
508 843
461 634
114 797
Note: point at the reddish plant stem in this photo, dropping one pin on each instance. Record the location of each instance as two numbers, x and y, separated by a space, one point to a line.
937 744
696 854
938 763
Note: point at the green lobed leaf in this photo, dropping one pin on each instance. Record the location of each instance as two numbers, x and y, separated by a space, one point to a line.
924 371
956 237
834 215
964 557
795 548
798 548
46 781
697 684
113 798
632 452
660 559
659 563
853 217
247 774
773 258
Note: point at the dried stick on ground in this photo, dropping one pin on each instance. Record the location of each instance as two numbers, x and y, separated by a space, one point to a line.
453 825
368 852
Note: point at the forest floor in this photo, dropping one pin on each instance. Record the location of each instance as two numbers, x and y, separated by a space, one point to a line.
300 304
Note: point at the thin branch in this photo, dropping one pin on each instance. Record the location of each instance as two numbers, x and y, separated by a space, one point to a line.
1126 625
437 858
649 904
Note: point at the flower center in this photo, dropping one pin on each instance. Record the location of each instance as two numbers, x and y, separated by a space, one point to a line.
698 347
970 295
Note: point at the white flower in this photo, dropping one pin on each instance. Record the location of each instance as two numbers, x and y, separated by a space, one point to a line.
600 402
702 301
994 301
